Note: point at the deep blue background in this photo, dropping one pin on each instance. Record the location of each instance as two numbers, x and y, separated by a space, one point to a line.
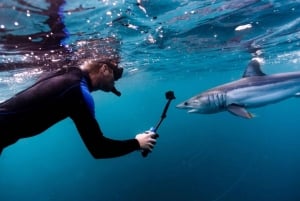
217 157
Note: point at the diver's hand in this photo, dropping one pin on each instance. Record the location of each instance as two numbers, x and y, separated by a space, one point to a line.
147 140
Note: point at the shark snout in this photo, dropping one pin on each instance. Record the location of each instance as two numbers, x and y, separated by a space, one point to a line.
183 105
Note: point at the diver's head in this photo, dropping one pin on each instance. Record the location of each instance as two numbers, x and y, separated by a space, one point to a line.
103 73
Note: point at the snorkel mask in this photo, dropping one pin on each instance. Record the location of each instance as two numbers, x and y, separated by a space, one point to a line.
118 72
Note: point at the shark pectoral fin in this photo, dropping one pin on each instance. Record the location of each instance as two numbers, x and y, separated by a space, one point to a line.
239 111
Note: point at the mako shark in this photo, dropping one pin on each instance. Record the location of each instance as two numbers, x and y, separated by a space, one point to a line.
254 89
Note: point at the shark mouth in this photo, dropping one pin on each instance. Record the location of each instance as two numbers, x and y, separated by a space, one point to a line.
192 111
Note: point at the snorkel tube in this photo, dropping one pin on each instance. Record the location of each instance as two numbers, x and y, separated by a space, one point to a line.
169 96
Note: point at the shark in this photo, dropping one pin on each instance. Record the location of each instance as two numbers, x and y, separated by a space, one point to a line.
254 89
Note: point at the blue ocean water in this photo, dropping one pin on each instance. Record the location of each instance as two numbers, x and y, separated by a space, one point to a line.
184 46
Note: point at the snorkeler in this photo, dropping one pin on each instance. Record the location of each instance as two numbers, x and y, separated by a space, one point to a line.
67 93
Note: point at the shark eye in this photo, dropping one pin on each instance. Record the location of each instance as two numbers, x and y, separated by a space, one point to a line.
186 103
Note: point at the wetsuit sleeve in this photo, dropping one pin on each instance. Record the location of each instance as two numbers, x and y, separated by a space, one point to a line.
100 146
91 134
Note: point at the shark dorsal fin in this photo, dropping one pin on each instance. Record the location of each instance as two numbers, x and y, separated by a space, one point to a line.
253 69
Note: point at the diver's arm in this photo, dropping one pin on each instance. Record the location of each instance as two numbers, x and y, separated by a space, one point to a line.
98 145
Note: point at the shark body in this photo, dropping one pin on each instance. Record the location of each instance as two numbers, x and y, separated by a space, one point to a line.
254 89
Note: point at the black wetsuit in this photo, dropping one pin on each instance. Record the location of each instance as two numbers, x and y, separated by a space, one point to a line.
54 97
